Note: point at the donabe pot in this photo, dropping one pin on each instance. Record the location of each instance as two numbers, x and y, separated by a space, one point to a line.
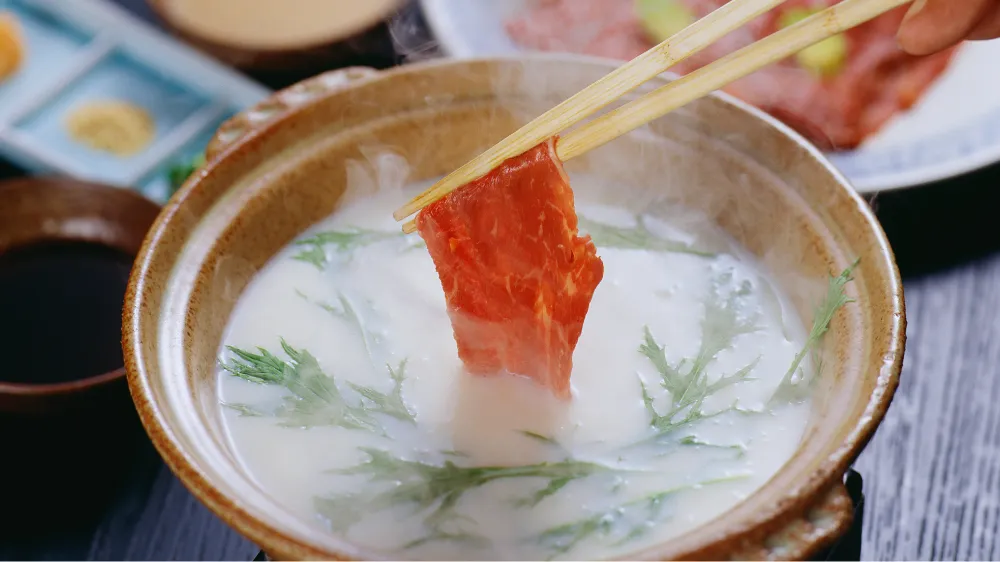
280 167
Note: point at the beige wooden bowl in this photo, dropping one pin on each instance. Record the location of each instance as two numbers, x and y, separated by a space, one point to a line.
293 53
280 167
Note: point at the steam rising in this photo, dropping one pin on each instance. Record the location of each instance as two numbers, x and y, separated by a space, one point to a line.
410 36
382 169
684 168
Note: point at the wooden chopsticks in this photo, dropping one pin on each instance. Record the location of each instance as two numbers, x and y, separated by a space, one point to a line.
775 47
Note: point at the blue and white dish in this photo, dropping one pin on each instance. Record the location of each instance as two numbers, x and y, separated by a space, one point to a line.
955 128
90 50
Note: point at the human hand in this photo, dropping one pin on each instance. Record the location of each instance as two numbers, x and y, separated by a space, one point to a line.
933 25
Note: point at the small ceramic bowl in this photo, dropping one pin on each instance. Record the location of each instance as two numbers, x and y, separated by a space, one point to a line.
85 423
35 210
280 167
314 54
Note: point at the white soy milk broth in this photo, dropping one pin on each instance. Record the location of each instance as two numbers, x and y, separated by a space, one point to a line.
393 287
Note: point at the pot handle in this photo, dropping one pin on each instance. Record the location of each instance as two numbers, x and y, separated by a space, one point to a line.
281 103
803 535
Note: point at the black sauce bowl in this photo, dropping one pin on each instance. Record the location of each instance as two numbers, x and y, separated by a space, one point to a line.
64 440
35 211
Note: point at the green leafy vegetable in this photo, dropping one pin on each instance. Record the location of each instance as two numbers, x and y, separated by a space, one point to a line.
687 382
315 399
693 441
688 408
637 237
246 410
390 404
342 241
625 522
461 537
661 19
540 438
721 325
179 173
315 255
791 388
346 311
825 58
435 489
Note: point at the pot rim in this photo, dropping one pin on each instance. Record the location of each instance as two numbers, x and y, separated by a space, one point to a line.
271 539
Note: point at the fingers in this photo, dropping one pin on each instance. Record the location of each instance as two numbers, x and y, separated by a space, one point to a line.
989 26
933 25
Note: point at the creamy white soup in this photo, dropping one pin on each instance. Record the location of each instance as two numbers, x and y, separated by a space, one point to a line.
345 399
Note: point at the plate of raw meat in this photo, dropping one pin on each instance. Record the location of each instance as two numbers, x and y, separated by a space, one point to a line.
886 119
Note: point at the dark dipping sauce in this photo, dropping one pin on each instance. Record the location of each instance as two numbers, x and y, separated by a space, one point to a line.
60 311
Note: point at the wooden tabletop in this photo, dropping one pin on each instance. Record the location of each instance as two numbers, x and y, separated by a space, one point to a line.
931 474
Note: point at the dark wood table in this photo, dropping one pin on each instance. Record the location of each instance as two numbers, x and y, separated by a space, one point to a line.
931 474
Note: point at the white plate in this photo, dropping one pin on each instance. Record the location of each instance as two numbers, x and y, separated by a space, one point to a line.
954 129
